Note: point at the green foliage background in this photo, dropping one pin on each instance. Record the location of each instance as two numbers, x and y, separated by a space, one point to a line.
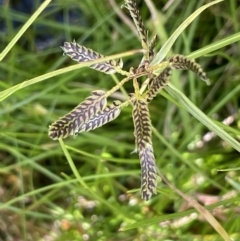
40 197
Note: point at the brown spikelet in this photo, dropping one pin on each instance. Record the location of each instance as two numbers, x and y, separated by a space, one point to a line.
80 54
143 139
158 83
132 7
149 172
73 121
142 123
148 58
152 45
181 62
104 116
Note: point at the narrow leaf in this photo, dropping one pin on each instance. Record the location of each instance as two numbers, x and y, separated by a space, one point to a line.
233 38
198 114
181 62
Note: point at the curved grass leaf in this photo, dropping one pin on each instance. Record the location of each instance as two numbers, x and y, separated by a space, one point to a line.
24 28
132 7
215 46
168 45
198 114
6 93
161 218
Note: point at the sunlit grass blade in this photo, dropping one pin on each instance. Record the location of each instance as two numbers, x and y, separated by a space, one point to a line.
202 210
168 45
81 180
24 28
198 114
6 93
215 46
171 216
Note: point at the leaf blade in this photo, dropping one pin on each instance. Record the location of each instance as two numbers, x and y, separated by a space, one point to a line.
167 46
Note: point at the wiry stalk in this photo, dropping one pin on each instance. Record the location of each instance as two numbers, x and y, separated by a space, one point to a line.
143 140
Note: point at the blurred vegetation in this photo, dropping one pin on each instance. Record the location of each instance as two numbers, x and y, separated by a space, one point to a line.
41 198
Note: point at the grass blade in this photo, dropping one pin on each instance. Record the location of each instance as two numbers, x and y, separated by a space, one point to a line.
24 28
168 45
198 114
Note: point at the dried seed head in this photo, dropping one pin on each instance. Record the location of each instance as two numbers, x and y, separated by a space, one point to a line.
73 121
181 62
143 140
158 83
149 172
142 123
104 116
80 54
132 8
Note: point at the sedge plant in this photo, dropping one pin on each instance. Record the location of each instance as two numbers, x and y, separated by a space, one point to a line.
94 112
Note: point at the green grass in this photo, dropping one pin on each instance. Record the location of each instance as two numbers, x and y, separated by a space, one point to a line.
87 188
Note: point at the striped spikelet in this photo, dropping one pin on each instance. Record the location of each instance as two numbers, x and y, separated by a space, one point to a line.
181 62
158 83
132 8
71 123
80 54
143 139
149 175
104 116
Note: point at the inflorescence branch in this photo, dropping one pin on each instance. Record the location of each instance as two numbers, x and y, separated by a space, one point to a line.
94 111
